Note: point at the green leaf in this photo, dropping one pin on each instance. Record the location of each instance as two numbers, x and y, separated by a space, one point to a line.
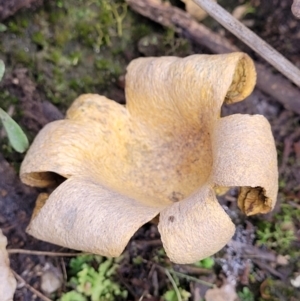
15 134
170 295
2 27
2 69
73 296
206 263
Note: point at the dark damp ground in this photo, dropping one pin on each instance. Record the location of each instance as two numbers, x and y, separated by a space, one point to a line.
57 50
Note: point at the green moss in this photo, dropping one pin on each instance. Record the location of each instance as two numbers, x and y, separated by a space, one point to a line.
6 99
74 47
75 58
39 39
142 28
176 45
22 57
280 233
13 27
54 56
112 67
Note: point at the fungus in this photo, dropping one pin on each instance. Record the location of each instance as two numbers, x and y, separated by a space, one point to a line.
163 153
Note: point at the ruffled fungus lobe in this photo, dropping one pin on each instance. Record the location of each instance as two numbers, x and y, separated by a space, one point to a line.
164 153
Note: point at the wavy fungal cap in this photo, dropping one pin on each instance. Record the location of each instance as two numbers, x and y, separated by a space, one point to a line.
115 167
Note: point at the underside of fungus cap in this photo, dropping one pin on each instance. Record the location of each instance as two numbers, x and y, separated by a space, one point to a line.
244 155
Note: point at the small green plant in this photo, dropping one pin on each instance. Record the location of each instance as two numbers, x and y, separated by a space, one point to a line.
171 295
288 213
280 233
176 293
174 44
275 236
160 256
246 294
15 134
206 263
93 283
109 23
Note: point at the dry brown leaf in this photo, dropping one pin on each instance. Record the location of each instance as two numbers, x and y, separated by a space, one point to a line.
240 11
296 8
225 293
7 280
195 10
165 152
51 279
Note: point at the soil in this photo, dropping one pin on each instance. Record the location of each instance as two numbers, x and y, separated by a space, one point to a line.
52 55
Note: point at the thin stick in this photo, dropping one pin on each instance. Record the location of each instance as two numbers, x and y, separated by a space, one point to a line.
251 39
32 289
45 253
187 277
179 274
174 285
64 270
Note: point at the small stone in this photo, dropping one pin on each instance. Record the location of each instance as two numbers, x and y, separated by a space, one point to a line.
225 293
282 259
296 282
51 281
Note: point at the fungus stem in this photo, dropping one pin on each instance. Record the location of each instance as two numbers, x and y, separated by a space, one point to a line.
251 39
174 285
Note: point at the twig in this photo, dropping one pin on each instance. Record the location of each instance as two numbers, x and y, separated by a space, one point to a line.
174 285
155 284
293 204
250 251
251 39
181 275
194 270
32 289
45 253
144 244
128 287
63 268
268 268
288 144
